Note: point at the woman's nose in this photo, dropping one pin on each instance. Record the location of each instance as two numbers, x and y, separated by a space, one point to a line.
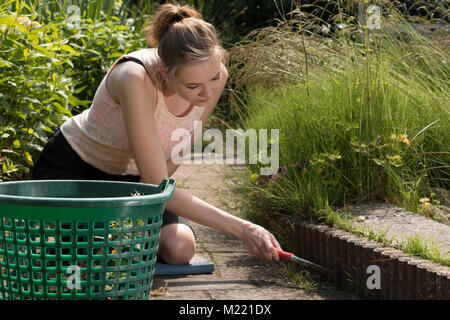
206 92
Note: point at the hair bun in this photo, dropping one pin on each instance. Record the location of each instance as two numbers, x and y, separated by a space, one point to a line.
165 16
177 18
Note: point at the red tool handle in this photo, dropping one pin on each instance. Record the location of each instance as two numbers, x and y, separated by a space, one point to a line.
284 255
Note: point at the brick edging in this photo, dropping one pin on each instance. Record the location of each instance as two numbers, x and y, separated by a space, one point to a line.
402 277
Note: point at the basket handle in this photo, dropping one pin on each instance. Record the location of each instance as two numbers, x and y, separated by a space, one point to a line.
167 187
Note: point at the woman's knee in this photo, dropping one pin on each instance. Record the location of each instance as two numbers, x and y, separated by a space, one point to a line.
177 244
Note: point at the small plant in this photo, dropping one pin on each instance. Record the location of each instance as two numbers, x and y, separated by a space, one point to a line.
300 277
418 246
432 209
161 291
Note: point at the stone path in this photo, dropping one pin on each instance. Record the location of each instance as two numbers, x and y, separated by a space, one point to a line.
238 274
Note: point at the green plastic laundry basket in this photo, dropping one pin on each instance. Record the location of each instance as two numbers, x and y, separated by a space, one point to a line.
79 239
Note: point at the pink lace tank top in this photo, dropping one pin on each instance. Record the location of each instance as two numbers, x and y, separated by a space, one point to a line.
98 134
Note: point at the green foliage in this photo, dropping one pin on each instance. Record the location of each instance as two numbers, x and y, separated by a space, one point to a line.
56 10
35 89
102 30
365 114
101 43
345 163
49 72
428 249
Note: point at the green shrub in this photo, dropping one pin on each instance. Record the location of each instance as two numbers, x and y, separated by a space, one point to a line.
101 30
50 72
101 43
35 90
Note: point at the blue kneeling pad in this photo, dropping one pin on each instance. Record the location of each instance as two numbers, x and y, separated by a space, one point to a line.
197 265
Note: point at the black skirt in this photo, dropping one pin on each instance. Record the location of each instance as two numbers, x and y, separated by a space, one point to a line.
59 161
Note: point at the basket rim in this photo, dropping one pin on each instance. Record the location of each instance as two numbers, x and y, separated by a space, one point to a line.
165 192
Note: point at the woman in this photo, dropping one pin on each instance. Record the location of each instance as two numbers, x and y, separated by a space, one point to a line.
126 133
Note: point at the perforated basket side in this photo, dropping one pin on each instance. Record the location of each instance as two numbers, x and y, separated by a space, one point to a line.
51 259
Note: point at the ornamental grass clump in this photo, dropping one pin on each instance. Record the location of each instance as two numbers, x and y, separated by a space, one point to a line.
363 114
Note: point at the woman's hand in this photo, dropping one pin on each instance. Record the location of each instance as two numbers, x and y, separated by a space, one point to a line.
260 242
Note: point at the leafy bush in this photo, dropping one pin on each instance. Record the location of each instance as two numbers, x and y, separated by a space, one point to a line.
101 43
50 72
35 90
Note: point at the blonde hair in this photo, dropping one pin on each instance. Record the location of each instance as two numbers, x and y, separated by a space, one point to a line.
182 37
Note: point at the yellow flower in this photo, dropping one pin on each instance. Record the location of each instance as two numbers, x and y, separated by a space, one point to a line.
28 158
395 160
254 177
28 23
401 138
25 21
404 139
35 24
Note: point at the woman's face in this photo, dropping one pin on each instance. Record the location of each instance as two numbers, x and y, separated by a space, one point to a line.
197 82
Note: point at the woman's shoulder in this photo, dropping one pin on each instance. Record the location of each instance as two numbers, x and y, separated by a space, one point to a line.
149 56
129 77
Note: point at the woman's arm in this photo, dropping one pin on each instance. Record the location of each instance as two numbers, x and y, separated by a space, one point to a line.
259 241
133 89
